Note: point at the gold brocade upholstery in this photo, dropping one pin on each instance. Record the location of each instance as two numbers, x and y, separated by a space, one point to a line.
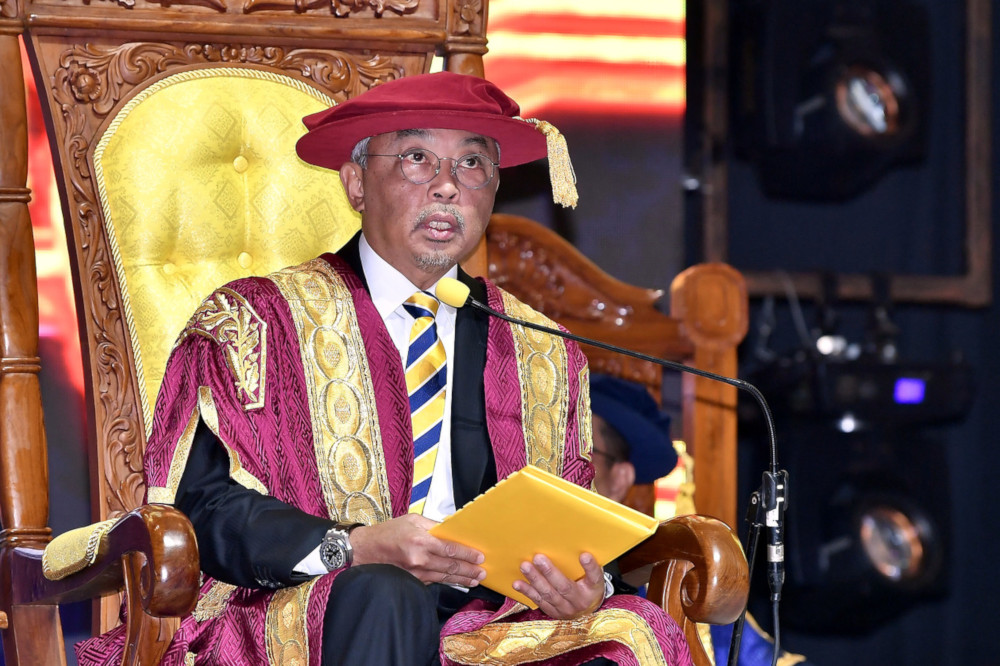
200 185
74 550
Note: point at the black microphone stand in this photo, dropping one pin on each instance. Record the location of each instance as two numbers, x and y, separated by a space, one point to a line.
767 504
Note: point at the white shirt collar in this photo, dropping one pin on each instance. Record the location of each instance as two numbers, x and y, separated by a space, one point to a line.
388 287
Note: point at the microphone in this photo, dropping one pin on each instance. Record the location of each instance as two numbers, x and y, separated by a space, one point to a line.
774 485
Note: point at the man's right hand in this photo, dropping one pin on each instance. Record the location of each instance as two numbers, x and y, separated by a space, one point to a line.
406 543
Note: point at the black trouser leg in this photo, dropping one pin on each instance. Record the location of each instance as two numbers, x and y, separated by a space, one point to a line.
379 614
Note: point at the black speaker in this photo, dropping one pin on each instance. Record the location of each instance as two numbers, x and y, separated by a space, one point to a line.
828 94
867 525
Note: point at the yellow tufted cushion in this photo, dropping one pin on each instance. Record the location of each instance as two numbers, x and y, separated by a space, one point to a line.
200 184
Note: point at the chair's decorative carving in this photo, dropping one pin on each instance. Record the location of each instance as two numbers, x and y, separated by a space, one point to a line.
345 7
101 76
553 277
468 17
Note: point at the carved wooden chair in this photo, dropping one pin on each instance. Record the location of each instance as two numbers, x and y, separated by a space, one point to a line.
220 85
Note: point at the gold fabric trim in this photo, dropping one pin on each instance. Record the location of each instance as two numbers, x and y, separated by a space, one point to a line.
213 603
74 550
102 193
705 636
182 450
228 319
525 642
543 369
158 495
285 626
237 472
346 433
584 421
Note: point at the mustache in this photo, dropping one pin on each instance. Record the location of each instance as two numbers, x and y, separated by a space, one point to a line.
447 209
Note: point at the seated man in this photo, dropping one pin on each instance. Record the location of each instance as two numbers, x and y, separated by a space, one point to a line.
632 442
314 423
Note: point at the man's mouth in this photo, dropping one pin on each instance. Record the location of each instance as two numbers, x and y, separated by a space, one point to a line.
440 226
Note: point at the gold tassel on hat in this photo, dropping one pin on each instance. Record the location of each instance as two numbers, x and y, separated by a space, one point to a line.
561 172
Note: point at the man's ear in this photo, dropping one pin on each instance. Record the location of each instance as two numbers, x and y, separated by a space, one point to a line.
621 477
351 177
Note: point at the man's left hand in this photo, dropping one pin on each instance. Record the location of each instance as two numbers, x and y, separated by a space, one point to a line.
556 595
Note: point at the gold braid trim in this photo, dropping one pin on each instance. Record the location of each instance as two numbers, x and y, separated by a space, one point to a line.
527 642
584 421
543 372
346 433
285 626
561 172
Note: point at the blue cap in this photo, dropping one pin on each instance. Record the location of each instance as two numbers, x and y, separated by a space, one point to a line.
631 411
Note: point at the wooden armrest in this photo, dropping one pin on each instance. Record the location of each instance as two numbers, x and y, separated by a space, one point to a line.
156 540
705 558
697 573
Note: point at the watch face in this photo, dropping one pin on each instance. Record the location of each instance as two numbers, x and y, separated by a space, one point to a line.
333 551
333 556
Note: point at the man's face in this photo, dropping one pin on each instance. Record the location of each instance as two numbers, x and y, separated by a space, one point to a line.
421 230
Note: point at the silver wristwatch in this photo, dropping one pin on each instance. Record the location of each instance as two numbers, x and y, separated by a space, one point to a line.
335 550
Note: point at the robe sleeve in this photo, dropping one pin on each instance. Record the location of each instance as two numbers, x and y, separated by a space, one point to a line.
244 538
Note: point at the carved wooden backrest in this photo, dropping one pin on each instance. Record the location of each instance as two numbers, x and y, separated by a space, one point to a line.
96 62
708 320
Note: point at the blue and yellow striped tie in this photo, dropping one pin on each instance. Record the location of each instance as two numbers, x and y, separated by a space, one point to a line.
426 376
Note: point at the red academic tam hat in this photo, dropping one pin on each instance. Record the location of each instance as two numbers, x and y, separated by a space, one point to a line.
443 100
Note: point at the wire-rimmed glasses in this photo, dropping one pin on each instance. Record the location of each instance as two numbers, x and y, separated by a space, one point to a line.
420 166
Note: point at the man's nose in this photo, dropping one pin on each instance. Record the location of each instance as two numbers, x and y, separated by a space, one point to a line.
445 184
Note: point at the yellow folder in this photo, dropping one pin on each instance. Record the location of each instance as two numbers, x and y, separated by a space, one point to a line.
533 511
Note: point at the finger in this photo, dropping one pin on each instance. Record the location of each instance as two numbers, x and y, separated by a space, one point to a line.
593 572
448 570
457 551
555 578
541 590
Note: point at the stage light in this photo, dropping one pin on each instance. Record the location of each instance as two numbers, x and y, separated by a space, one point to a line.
867 530
893 542
829 95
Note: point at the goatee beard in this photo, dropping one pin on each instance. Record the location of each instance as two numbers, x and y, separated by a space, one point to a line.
433 261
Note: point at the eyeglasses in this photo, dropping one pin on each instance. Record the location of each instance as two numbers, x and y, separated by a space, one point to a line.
611 459
420 166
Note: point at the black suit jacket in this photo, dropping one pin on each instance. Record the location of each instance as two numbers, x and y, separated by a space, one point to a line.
237 528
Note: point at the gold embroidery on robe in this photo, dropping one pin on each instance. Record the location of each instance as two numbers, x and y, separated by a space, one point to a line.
228 319
346 433
212 603
524 642
287 635
543 369
584 422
